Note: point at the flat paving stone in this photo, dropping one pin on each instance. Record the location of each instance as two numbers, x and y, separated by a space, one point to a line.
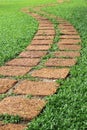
14 70
70 37
33 54
51 73
24 62
69 54
46 28
69 33
12 127
45 32
41 42
6 84
36 88
68 29
69 41
46 25
38 47
70 47
43 37
60 62
23 107
61 26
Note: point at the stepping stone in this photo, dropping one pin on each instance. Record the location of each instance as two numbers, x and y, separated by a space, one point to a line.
69 54
46 28
33 54
6 84
51 73
70 37
36 88
12 127
69 33
38 48
41 42
70 47
69 41
23 107
14 70
68 29
60 62
45 22
46 25
43 37
47 32
23 62
65 27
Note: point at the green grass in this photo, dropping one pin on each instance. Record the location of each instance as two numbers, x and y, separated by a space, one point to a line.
16 28
67 109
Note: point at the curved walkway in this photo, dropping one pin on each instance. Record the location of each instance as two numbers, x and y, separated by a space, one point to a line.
57 67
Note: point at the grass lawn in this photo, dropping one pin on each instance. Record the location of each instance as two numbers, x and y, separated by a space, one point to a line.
16 29
67 109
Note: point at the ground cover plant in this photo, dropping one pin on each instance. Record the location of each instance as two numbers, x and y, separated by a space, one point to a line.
67 109
16 29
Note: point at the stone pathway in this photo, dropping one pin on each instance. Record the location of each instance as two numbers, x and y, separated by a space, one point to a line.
55 68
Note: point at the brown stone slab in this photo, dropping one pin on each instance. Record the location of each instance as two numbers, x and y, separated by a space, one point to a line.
70 37
66 24
24 62
60 62
68 29
46 28
69 33
41 42
36 88
45 32
61 26
12 127
6 84
45 25
33 54
43 37
70 47
14 70
45 22
51 73
69 41
69 54
38 47
23 107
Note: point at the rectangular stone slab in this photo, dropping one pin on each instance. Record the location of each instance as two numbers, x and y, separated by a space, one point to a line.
12 127
14 70
69 41
45 32
70 54
23 107
51 73
46 28
6 84
66 32
24 62
33 54
41 42
60 62
70 37
36 88
43 37
38 47
70 47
